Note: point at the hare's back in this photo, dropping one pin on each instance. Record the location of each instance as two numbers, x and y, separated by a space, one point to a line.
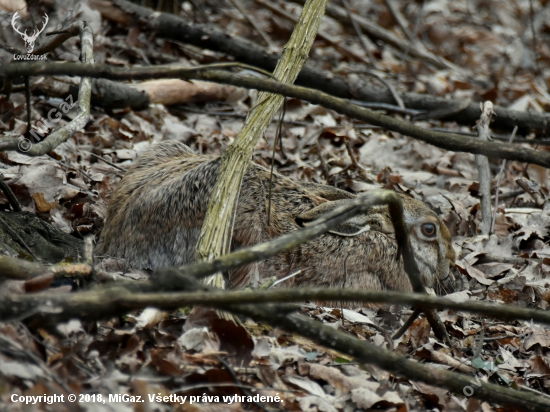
156 213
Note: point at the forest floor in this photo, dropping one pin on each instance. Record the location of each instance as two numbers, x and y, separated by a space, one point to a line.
503 52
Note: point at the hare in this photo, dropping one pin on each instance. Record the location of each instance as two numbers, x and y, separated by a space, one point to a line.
155 217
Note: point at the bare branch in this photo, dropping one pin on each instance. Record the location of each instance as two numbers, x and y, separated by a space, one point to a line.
171 27
84 95
448 141
47 307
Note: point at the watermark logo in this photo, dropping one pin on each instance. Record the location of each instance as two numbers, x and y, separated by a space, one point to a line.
43 125
486 369
29 40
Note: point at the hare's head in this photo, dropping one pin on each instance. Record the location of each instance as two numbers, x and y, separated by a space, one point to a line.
431 244
430 239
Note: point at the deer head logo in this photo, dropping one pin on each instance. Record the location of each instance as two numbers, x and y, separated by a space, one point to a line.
29 40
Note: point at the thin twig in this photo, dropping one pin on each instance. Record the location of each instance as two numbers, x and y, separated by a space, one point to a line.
515 260
354 161
443 140
247 392
505 138
509 195
414 49
321 34
389 86
15 234
90 304
416 313
390 108
9 345
532 189
238 4
61 37
278 138
399 19
14 203
363 40
108 162
286 278
19 269
198 6
385 334
84 96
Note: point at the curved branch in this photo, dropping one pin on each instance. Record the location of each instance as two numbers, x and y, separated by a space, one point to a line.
14 203
48 307
123 297
172 279
59 39
171 27
79 122
446 141
19 269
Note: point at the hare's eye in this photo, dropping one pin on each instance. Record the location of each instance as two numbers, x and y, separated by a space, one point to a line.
428 229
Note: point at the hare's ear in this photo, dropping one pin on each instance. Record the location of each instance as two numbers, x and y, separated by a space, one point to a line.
352 227
327 192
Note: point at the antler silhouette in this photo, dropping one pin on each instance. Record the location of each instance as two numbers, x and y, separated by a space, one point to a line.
15 16
29 40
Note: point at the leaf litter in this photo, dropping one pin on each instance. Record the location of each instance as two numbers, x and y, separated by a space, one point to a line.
152 352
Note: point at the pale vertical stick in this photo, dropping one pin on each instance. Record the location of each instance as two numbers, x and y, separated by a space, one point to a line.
216 229
482 163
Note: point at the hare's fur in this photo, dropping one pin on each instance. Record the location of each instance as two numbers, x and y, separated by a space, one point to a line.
156 214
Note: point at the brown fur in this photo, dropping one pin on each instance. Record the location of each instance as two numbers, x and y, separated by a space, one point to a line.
156 214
